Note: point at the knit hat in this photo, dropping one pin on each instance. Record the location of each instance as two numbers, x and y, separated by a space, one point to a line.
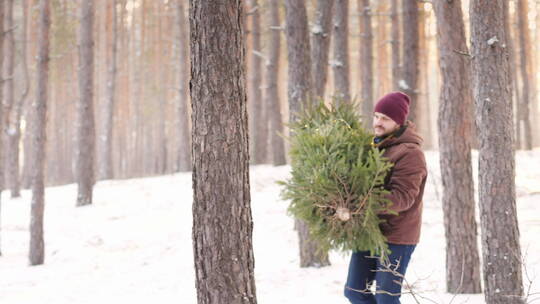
394 105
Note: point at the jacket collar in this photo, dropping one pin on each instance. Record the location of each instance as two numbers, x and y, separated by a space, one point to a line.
406 134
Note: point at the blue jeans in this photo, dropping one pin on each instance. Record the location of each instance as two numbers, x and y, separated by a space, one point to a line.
364 269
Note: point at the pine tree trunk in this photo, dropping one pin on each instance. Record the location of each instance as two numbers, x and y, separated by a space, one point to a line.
66 119
120 155
395 42
12 108
366 61
32 52
160 57
423 123
84 158
500 234
137 89
321 34
380 28
535 108
299 89
260 130
131 38
299 96
527 73
2 162
513 86
106 162
182 62
455 126
272 100
38 113
14 127
9 95
408 82
341 51
222 222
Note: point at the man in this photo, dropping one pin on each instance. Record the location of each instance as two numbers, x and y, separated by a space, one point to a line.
406 180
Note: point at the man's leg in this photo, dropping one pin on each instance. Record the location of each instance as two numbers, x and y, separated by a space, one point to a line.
361 274
390 273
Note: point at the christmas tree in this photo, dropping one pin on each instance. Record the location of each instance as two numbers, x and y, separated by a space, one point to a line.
337 179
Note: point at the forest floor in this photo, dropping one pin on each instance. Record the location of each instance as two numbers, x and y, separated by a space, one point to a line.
133 245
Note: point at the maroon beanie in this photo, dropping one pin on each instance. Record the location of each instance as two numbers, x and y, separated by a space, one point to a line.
394 105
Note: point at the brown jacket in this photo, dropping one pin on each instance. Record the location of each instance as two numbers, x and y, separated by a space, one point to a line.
406 182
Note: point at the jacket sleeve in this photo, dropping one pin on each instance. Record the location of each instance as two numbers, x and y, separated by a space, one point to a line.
407 177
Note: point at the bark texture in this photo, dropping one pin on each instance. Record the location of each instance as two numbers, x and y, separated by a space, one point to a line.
455 126
222 222
38 114
500 233
340 62
366 61
411 52
320 40
85 126
299 89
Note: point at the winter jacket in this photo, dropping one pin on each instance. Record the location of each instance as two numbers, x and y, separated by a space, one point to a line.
405 181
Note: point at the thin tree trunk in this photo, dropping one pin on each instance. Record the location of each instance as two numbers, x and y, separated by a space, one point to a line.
169 96
121 156
8 99
85 129
423 122
14 131
395 42
411 63
299 95
68 112
366 61
137 89
32 52
160 57
134 91
38 113
272 100
455 124
535 109
500 233
222 222
2 162
299 89
513 86
380 28
527 73
182 45
258 133
105 164
321 34
341 51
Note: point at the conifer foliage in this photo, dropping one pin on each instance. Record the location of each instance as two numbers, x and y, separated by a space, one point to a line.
337 179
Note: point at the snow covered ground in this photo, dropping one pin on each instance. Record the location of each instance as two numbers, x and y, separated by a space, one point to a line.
134 244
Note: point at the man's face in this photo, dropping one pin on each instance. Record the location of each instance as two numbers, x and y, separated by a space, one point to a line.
383 124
